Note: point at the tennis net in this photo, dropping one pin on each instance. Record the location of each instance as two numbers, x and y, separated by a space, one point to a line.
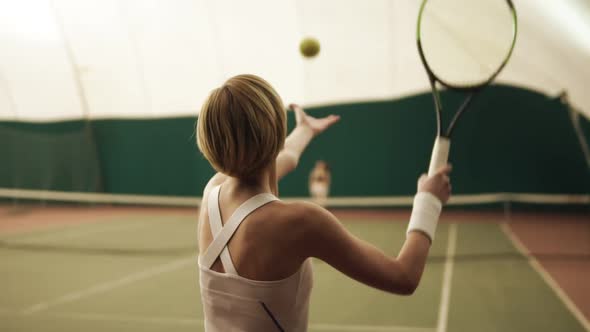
107 224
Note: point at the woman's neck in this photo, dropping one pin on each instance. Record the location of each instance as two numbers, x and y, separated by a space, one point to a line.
255 185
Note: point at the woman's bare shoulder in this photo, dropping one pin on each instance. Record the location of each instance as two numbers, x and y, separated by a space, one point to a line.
296 211
299 218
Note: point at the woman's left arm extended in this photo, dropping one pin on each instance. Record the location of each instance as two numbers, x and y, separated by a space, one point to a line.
307 127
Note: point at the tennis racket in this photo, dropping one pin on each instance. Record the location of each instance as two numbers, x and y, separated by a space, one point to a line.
463 45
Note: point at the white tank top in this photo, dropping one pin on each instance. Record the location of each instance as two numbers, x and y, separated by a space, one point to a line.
235 304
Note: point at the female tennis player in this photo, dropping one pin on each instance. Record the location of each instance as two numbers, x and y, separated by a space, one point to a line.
320 179
254 249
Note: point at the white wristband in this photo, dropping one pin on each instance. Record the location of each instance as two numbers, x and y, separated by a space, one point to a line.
425 214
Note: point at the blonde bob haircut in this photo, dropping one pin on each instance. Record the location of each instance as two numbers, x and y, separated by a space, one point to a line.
242 127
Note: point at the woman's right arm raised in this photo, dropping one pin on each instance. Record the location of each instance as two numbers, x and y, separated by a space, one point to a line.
324 237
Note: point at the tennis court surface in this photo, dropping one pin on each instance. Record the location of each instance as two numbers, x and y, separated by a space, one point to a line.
101 178
134 269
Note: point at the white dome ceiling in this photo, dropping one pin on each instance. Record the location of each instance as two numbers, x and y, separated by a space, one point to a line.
67 59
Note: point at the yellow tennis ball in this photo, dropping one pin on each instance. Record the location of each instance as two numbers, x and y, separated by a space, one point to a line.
309 47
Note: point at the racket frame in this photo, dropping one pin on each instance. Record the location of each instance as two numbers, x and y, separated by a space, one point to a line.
472 89
440 152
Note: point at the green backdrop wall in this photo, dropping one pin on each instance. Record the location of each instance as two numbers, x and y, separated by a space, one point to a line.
512 140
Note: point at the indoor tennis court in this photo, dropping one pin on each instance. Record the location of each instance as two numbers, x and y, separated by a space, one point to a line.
102 181
123 269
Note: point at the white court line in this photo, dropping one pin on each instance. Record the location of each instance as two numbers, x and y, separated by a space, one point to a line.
109 285
199 322
445 297
547 277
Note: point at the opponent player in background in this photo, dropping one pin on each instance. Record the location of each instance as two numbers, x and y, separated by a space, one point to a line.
254 249
320 179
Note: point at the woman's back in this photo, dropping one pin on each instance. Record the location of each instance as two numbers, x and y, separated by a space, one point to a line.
257 284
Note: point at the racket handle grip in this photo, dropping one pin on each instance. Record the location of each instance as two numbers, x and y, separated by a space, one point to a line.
440 154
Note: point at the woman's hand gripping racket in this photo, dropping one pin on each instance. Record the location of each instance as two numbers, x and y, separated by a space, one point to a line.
463 45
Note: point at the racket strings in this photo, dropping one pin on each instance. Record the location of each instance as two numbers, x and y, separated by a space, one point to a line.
462 42
466 42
